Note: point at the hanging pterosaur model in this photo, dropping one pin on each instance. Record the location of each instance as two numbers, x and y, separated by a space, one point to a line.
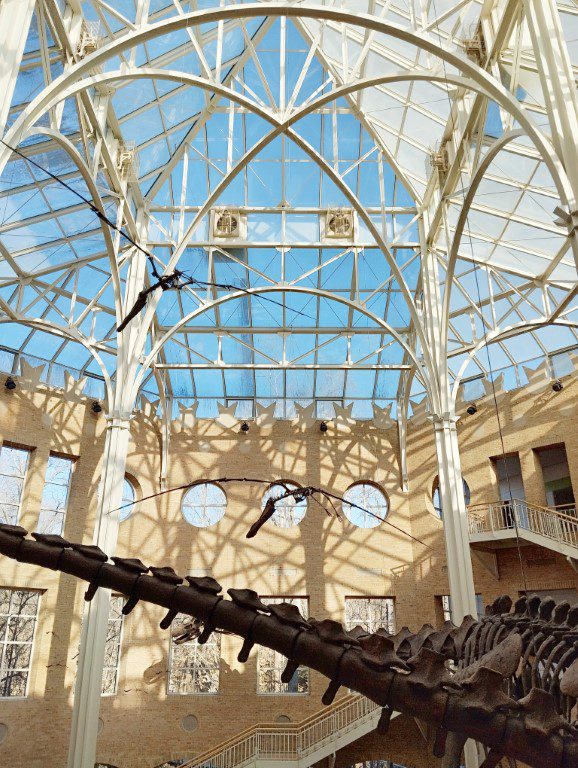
509 681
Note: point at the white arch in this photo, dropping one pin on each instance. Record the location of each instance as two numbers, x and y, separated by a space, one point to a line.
269 289
421 41
475 182
499 335
78 160
49 327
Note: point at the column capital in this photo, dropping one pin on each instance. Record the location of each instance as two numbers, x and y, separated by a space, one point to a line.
118 421
445 420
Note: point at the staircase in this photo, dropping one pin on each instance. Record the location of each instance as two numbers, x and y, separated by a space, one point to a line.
500 521
295 746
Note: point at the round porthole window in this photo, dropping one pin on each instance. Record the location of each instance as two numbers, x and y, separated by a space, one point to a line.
365 505
288 511
283 720
204 505
189 723
128 499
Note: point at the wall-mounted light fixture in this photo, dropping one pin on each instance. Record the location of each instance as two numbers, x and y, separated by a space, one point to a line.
471 409
244 427
323 426
10 383
557 386
96 407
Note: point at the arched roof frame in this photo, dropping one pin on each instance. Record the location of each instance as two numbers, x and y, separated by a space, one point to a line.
499 335
283 127
480 80
251 10
379 321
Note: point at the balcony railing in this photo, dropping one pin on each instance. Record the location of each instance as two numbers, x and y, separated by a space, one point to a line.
556 524
288 742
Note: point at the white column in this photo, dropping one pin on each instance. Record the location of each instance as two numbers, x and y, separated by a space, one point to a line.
87 694
455 519
88 686
15 18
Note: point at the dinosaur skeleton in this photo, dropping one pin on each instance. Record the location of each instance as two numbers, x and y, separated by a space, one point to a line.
509 681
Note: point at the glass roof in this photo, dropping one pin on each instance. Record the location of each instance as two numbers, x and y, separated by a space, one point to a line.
261 120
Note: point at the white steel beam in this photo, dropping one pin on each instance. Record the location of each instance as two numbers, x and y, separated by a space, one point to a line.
15 18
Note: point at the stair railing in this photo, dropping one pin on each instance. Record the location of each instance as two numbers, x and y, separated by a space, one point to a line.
549 522
288 742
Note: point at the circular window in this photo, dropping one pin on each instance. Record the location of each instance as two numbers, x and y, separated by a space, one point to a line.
365 505
288 511
189 723
436 498
128 497
204 505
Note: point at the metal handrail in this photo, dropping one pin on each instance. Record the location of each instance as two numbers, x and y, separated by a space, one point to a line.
519 513
272 741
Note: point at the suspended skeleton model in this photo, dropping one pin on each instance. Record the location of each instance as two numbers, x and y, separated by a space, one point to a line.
510 681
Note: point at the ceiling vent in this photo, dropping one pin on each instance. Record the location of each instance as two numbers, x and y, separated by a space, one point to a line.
339 224
229 224
89 39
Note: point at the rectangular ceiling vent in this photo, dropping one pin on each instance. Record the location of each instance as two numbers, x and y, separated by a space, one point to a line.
339 224
229 224
89 39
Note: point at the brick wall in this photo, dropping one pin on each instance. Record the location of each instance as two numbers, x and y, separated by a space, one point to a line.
324 558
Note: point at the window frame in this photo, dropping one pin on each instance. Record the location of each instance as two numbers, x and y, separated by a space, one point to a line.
120 639
392 628
200 485
292 486
276 599
32 643
193 643
24 478
376 487
134 486
72 462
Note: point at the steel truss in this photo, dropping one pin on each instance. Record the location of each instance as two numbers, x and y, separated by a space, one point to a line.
453 245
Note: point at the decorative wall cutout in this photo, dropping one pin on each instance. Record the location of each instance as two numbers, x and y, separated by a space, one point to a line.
73 388
226 417
382 417
343 421
418 411
30 376
305 416
265 419
188 415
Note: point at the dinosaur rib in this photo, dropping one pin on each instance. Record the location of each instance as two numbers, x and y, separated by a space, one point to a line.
471 703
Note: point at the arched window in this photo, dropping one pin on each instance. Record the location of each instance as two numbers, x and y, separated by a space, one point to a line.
288 511
436 498
371 505
128 497
204 505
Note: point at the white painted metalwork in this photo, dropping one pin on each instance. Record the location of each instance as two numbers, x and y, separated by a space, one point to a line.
161 118
295 746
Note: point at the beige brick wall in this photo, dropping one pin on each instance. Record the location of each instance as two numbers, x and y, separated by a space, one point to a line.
324 558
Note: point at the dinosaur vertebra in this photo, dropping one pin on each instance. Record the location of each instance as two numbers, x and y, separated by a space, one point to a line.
484 698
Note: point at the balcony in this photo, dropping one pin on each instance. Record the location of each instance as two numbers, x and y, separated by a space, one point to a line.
499 523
